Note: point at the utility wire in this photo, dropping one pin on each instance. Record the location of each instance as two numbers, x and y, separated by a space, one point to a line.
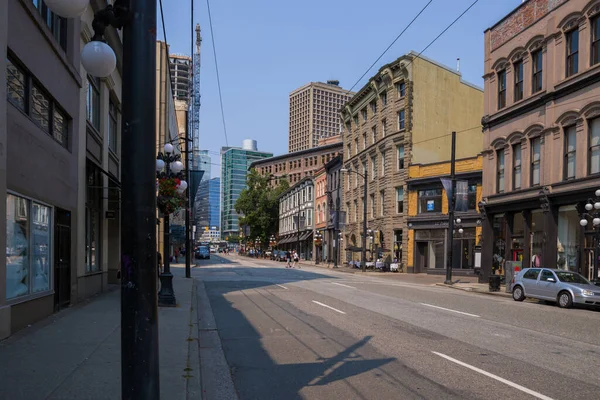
173 89
391 44
212 37
444 31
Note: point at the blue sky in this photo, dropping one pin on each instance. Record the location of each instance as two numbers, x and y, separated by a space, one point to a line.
268 48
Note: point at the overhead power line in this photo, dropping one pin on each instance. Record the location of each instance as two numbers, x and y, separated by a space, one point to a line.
390 46
212 37
173 89
444 31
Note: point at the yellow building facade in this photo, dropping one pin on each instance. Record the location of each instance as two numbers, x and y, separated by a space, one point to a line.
426 243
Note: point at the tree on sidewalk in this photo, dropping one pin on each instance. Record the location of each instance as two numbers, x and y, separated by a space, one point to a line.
258 205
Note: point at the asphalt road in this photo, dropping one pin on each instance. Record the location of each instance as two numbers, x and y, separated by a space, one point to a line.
313 333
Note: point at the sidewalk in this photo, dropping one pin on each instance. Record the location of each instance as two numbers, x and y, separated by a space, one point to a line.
75 354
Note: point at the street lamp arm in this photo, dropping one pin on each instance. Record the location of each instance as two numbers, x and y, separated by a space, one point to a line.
354 172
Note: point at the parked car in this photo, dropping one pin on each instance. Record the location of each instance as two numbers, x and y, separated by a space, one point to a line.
203 253
557 285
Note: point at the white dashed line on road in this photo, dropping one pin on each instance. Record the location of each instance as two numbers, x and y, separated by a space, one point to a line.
281 286
490 375
341 284
448 309
331 308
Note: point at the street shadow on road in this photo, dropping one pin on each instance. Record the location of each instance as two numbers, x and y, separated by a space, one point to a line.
277 351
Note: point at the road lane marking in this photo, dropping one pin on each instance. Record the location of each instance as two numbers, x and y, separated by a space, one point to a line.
448 309
281 286
490 375
341 284
325 305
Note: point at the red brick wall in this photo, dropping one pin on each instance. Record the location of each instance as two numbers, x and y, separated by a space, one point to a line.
518 21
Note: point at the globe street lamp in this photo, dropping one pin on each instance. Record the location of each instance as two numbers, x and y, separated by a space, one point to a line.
593 213
318 242
171 197
139 314
364 241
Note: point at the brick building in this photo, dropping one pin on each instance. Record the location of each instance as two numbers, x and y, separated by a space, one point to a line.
300 164
541 135
403 116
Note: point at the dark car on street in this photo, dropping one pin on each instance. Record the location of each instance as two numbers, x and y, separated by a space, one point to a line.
203 253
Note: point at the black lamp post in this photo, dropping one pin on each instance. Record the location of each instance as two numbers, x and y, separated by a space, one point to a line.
170 197
593 213
364 241
139 318
318 242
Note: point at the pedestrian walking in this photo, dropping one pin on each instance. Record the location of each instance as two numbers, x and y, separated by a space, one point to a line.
288 255
296 259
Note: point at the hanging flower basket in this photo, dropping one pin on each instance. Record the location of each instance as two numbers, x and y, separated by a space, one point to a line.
169 199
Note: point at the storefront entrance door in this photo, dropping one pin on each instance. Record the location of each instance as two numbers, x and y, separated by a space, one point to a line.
422 257
62 259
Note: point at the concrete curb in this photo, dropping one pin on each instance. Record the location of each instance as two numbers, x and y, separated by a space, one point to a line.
474 290
217 383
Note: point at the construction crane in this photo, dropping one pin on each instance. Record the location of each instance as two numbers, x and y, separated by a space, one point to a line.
195 103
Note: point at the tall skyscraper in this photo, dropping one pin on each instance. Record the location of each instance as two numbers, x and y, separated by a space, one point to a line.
235 162
315 113
214 201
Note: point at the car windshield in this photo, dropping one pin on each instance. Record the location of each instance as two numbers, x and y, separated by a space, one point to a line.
203 249
571 277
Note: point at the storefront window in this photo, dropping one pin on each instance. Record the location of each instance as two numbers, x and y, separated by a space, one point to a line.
430 200
499 229
568 238
537 237
518 237
463 253
28 255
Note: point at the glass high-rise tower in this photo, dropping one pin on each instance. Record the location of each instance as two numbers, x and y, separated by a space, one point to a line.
235 162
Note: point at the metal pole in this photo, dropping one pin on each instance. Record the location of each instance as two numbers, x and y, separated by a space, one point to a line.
336 226
451 211
298 239
364 241
596 254
139 317
188 205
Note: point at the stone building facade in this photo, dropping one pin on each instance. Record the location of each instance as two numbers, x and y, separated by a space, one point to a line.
541 135
59 164
403 116
296 219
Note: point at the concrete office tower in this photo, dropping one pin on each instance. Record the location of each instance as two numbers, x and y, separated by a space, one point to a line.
181 74
315 114
235 162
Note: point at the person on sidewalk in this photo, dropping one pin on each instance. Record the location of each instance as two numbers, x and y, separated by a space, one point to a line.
296 259
288 255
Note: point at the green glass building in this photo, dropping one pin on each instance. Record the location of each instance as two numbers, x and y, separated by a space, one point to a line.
235 162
